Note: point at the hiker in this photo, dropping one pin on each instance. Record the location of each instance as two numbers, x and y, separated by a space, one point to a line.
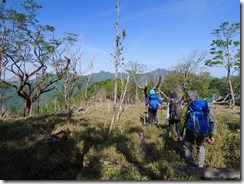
173 114
194 136
153 101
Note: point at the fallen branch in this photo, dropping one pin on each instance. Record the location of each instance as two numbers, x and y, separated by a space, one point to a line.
210 173
206 173
84 107
161 92
55 139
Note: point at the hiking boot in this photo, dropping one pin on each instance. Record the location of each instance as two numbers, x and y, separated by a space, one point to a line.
191 163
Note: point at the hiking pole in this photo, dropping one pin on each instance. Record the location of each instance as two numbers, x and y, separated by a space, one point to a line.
161 113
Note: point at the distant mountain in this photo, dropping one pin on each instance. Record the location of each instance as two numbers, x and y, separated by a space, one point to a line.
159 72
101 76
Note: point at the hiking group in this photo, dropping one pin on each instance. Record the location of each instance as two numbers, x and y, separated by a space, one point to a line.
189 118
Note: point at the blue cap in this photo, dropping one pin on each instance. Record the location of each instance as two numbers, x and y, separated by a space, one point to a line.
173 95
152 92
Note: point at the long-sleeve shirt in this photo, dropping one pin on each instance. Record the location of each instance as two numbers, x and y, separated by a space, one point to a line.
168 111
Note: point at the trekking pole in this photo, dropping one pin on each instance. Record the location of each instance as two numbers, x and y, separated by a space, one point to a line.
161 113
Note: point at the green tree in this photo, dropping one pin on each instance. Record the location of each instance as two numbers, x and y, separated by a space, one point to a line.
4 89
226 52
218 86
31 53
200 82
236 81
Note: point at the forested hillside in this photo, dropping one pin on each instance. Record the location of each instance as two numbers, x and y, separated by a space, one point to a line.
15 104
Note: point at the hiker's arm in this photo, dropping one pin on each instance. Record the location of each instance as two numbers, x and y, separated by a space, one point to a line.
167 112
160 100
183 119
212 126
147 100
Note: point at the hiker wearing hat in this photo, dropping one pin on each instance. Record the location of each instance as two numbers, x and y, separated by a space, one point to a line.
153 102
197 124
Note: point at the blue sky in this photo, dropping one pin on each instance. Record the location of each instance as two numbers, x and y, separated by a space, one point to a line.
159 32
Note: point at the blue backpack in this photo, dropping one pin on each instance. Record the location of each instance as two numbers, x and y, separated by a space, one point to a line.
153 102
199 118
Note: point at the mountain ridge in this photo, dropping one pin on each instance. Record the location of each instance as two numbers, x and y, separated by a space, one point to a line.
15 101
104 75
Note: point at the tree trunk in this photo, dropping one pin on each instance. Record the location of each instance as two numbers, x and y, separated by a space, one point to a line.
1 105
232 101
121 108
136 97
27 109
117 54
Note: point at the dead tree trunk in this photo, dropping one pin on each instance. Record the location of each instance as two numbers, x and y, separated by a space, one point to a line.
144 88
209 173
117 62
122 99
27 108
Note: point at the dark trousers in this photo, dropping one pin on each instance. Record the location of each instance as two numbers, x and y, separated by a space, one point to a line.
189 141
174 124
152 117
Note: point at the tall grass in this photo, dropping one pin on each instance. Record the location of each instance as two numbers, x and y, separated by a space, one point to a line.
133 151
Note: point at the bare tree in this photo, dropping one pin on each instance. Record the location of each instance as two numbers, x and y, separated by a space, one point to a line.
137 70
117 61
72 74
145 87
3 87
89 78
188 66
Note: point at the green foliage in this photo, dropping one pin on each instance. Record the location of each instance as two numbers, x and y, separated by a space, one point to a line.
15 109
218 86
3 86
236 81
171 82
237 84
107 85
59 96
198 82
225 51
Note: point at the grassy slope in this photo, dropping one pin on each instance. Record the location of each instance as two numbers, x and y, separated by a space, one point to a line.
132 152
